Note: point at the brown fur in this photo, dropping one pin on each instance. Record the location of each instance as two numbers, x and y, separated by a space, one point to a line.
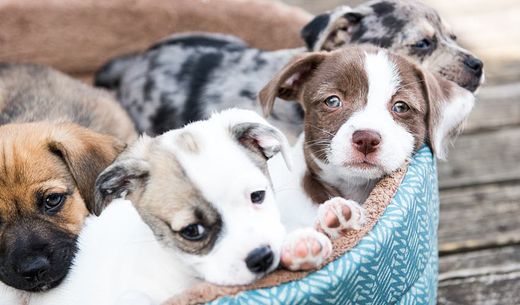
59 158
185 205
56 136
164 195
314 77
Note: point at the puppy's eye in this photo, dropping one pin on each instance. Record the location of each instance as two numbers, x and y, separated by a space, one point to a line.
453 36
53 202
423 44
333 102
193 232
257 197
400 107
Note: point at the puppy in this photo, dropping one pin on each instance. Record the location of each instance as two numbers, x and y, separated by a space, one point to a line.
186 77
49 164
206 198
367 110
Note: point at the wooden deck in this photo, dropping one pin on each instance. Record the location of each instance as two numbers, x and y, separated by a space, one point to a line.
479 231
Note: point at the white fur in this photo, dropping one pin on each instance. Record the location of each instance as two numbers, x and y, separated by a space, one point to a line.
118 253
121 262
453 113
246 225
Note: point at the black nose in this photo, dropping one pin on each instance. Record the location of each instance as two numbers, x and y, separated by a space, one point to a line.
33 269
474 64
260 259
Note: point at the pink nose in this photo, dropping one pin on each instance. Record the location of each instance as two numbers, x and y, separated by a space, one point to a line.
366 141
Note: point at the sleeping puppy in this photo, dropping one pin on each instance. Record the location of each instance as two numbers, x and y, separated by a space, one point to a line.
208 208
186 77
49 164
367 110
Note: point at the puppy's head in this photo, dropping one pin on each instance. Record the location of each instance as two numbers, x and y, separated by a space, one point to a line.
47 189
205 192
408 28
367 110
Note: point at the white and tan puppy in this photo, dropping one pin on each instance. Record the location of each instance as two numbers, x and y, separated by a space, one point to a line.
205 212
367 111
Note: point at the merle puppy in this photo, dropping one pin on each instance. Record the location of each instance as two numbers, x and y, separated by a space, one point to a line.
187 77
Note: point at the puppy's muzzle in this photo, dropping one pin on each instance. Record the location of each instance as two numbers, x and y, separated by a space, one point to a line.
35 255
33 269
260 259
366 141
474 68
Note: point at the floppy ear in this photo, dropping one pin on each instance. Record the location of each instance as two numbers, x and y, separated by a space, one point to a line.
124 177
86 154
262 139
448 107
288 82
331 30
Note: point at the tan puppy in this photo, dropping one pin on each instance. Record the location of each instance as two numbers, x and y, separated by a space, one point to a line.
48 165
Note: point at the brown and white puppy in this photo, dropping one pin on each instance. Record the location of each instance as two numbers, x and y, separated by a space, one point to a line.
186 77
49 164
367 110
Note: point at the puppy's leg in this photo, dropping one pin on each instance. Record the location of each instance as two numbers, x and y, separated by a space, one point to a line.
305 249
337 215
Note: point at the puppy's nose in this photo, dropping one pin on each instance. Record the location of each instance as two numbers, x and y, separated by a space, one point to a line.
473 64
366 141
34 268
260 259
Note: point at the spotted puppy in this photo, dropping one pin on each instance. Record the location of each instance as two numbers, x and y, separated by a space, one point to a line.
367 110
208 208
186 77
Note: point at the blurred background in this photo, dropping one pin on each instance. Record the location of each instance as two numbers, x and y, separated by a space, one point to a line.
479 233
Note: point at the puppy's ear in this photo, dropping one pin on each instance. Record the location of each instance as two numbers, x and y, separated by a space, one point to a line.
331 30
288 82
448 107
122 178
86 153
262 139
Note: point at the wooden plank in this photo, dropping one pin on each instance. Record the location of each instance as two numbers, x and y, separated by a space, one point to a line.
481 158
479 217
496 107
482 277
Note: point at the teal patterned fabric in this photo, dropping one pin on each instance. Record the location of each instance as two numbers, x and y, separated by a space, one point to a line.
396 263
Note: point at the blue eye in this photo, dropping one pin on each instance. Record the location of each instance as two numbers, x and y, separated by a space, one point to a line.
400 107
333 102
423 44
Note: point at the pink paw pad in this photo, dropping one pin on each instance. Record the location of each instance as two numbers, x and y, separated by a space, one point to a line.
305 249
337 216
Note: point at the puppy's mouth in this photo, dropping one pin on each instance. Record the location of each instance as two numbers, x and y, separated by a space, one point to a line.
47 285
362 162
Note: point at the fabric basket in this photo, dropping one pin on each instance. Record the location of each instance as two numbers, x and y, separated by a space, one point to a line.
396 263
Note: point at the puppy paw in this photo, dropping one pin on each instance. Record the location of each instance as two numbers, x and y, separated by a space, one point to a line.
338 215
305 249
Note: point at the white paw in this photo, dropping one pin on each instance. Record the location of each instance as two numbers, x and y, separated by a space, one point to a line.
305 249
337 215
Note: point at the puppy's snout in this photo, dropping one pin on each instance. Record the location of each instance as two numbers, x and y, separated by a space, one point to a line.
366 141
34 268
473 64
260 259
